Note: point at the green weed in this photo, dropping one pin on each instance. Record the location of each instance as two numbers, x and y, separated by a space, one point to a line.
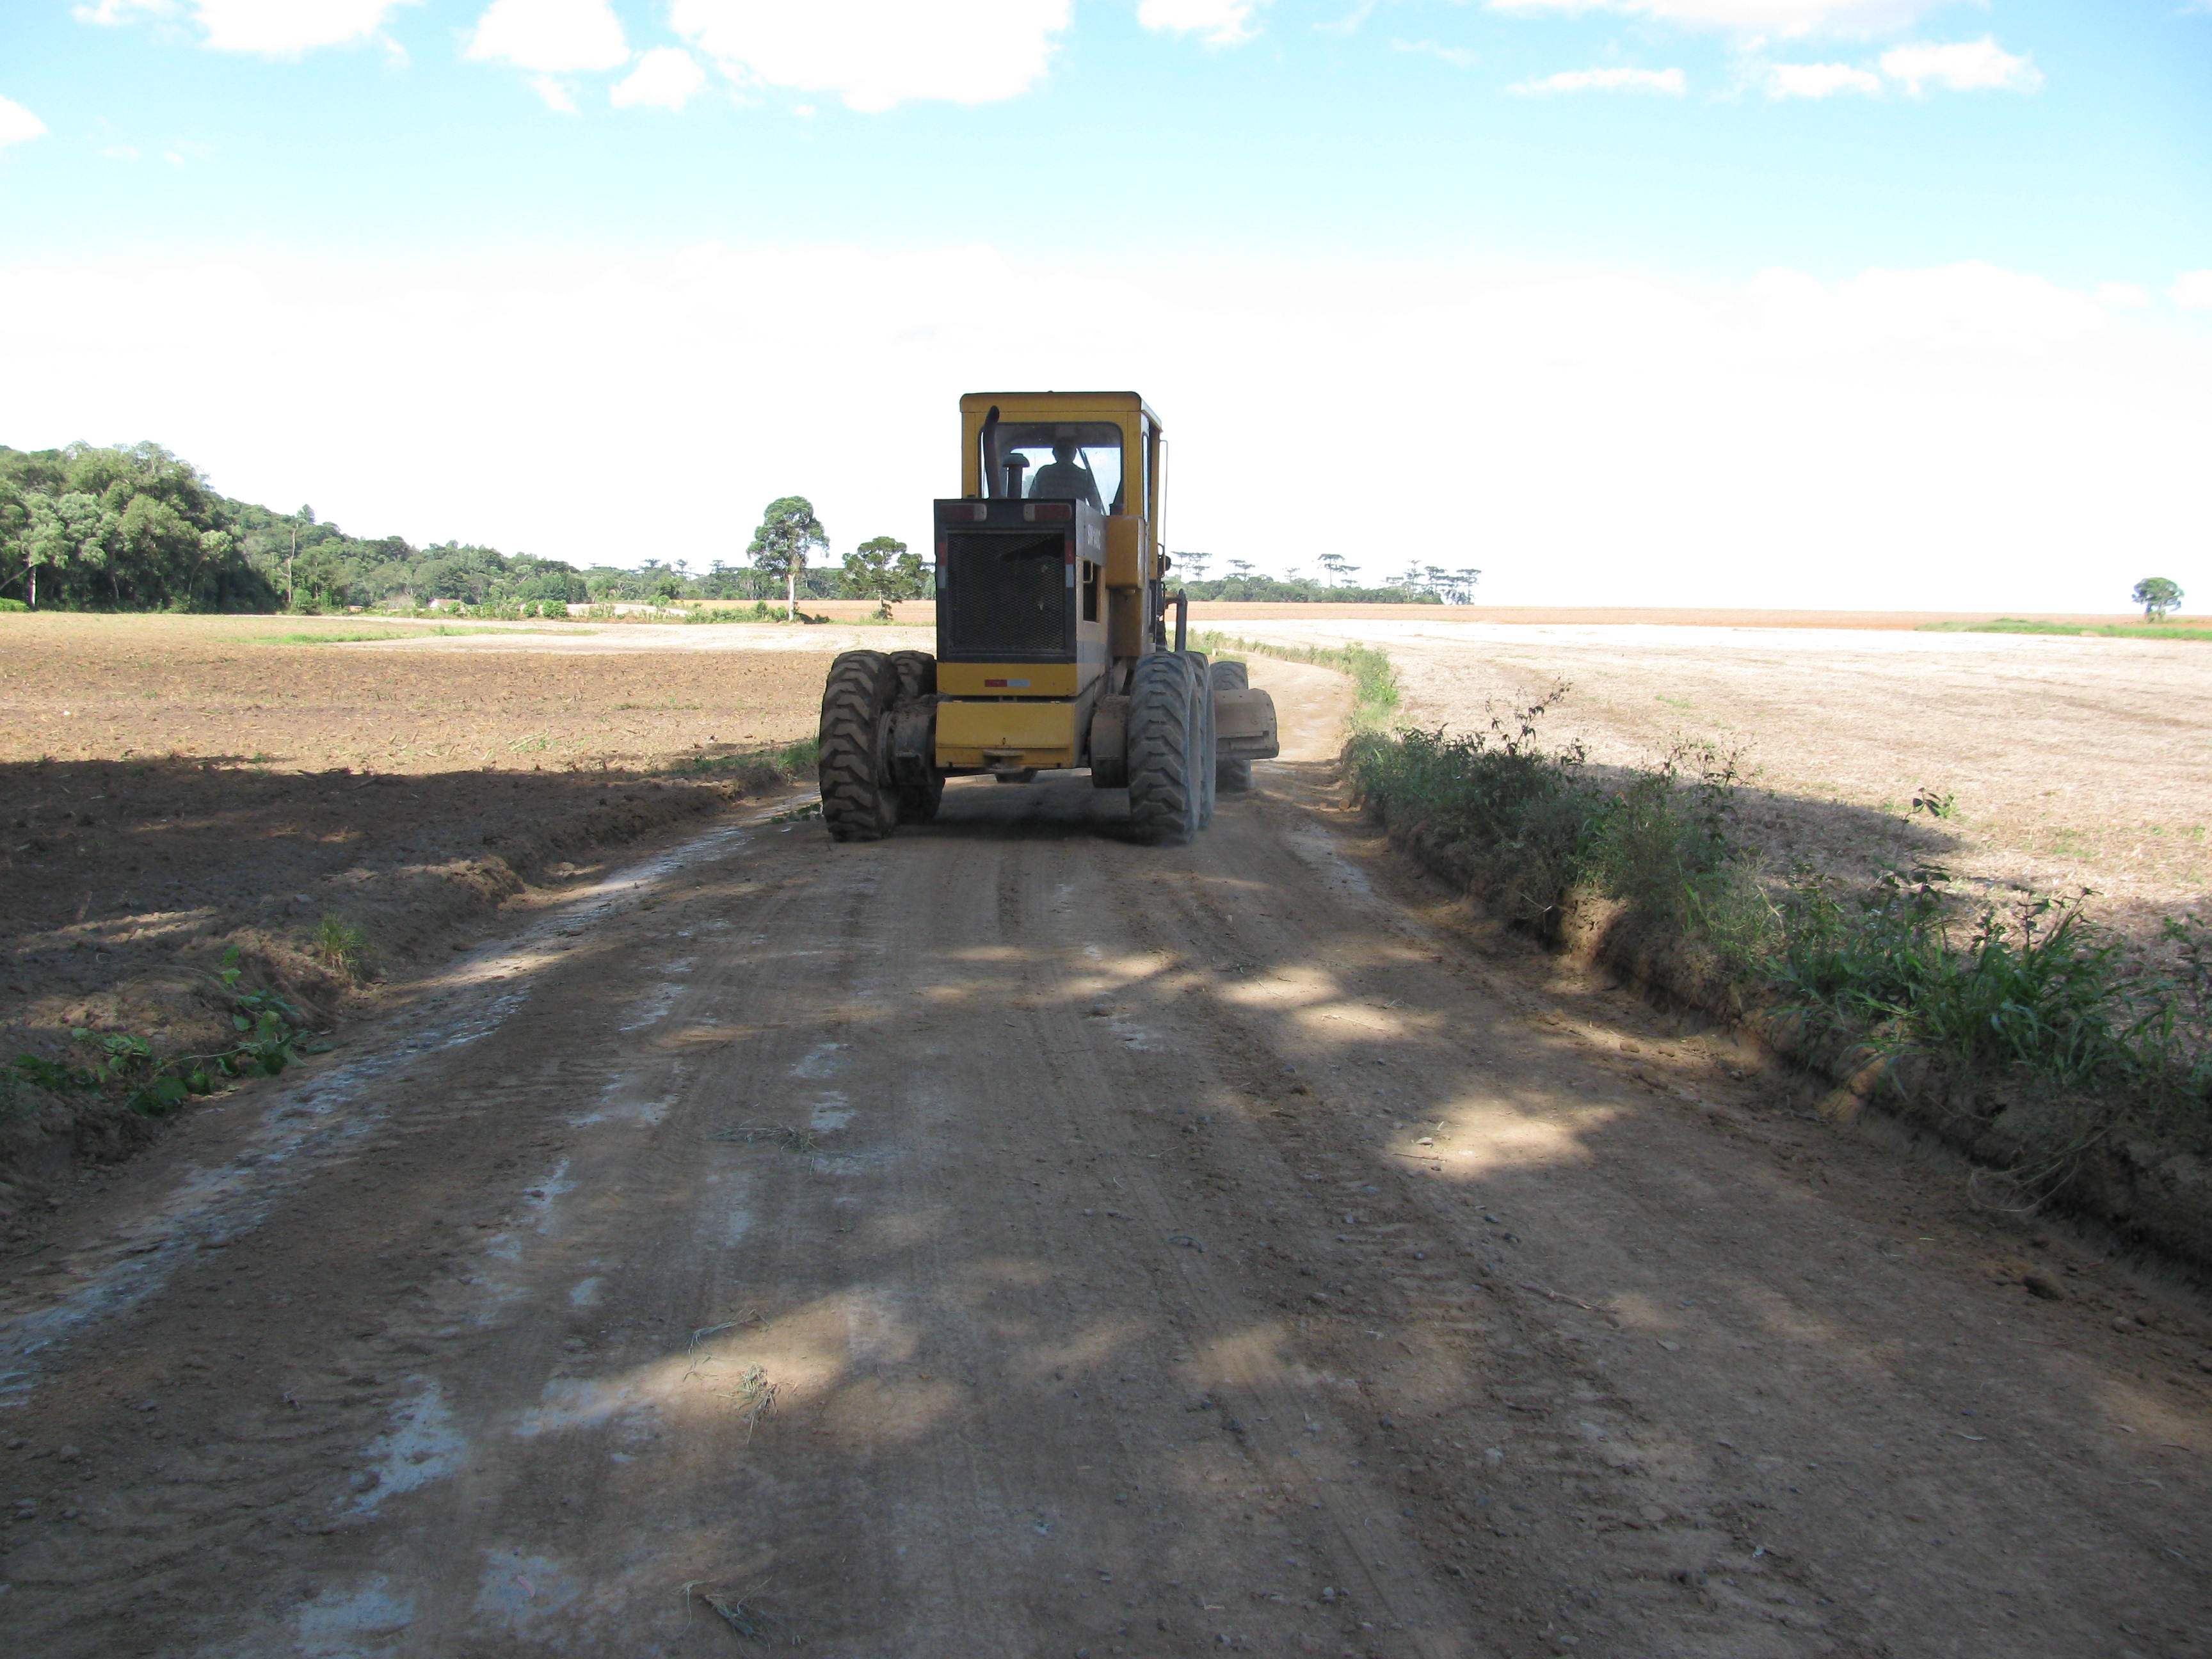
341 947
1934 804
268 1041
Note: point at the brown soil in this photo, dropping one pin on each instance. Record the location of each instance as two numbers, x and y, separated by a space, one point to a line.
1004 1239
171 788
227 689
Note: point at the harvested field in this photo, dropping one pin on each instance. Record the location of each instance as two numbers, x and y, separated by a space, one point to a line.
170 787
411 699
2069 764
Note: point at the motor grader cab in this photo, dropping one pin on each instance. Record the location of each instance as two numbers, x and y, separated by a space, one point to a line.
1053 649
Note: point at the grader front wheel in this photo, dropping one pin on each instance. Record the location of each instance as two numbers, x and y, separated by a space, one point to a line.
855 805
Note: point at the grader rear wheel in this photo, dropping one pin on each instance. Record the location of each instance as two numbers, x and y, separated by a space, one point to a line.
855 805
917 802
1230 776
916 674
1166 740
1203 757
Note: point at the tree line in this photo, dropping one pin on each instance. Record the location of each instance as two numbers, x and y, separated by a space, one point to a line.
90 527
1420 584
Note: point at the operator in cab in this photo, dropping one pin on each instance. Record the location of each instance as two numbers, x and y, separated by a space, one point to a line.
1064 475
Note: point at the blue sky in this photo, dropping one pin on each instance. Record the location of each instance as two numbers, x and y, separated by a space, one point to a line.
1660 274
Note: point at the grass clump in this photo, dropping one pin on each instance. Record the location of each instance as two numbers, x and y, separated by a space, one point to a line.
757 768
341 947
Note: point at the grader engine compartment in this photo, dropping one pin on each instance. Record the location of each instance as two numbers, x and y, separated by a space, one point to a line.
1054 650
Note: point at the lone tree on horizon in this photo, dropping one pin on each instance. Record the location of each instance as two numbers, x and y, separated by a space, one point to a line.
881 568
788 531
2157 595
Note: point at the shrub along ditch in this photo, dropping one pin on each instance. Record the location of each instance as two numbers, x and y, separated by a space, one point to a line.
1374 680
2011 1023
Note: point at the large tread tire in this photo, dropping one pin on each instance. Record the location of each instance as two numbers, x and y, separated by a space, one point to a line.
916 672
855 805
1230 777
1165 740
1203 759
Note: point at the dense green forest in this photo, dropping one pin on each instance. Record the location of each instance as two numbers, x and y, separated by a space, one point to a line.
89 528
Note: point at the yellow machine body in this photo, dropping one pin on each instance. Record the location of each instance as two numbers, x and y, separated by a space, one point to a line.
1019 716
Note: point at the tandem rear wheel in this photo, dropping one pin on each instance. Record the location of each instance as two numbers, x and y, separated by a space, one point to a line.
867 693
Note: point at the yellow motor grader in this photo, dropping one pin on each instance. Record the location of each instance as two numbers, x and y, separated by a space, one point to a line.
1053 646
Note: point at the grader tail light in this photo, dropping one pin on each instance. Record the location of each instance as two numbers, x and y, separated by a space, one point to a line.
1052 645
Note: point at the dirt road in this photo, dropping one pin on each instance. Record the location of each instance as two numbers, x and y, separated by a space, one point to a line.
1006 1240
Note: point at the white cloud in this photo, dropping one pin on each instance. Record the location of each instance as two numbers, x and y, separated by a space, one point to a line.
1669 80
264 26
17 124
1924 440
876 53
2122 296
555 37
2192 292
1817 79
110 13
1787 18
1963 66
1218 22
555 92
1457 57
664 78
1974 306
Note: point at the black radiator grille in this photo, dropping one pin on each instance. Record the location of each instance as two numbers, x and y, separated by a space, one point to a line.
1007 596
